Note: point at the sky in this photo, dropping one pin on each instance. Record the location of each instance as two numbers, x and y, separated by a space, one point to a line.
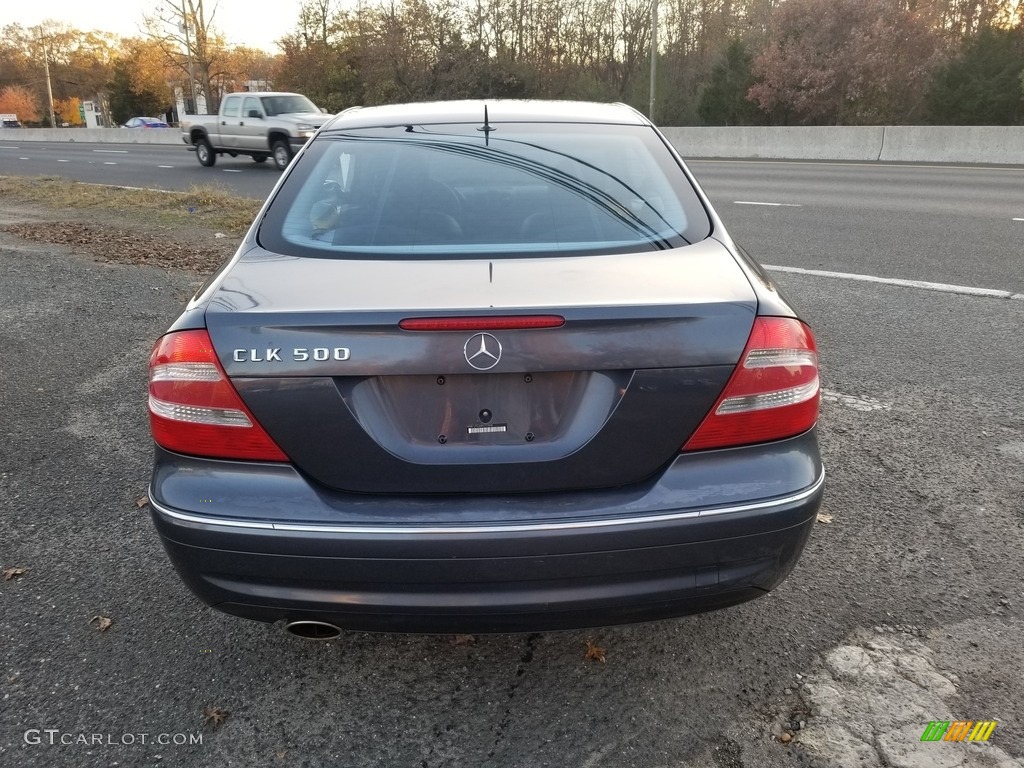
242 22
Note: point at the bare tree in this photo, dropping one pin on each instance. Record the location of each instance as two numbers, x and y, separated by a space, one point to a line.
190 43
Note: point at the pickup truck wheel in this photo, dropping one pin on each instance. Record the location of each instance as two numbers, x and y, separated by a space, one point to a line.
205 153
282 154
260 158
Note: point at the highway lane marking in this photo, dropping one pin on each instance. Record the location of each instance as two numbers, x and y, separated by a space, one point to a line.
112 151
10 147
165 166
139 189
963 290
1018 219
63 161
774 205
24 158
231 170
109 163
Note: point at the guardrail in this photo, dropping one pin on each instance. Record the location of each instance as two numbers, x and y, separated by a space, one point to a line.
1002 145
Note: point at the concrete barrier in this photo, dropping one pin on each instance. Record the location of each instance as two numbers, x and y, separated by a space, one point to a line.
998 145
781 143
1002 145
95 135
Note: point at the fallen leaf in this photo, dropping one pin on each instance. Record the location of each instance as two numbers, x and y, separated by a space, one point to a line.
594 653
823 518
14 573
111 244
214 716
102 622
142 501
463 640
282 754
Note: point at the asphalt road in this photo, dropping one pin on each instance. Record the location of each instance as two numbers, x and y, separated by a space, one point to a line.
947 224
923 436
944 224
154 166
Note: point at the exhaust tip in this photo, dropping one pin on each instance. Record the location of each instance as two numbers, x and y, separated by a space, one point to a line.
312 630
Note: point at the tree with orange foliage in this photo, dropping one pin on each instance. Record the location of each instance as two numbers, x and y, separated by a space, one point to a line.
18 100
244 65
67 111
149 69
184 25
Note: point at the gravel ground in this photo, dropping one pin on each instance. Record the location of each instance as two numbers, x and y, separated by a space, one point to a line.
906 604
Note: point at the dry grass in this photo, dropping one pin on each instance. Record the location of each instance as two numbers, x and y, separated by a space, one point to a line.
208 206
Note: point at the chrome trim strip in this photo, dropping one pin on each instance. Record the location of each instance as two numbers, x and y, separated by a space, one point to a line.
469 530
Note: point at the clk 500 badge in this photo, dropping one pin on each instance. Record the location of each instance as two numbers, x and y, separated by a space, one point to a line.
299 354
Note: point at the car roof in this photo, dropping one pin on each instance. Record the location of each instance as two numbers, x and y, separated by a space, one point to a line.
263 93
498 111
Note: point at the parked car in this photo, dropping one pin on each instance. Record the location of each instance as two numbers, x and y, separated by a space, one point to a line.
480 367
145 122
258 124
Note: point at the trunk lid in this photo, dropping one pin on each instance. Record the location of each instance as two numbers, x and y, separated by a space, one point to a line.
315 349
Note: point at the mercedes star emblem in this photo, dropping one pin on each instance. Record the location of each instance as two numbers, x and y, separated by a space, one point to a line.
482 351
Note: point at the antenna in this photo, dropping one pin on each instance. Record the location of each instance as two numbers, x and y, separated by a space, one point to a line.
487 128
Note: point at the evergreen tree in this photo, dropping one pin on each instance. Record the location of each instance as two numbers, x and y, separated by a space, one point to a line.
127 102
983 86
724 101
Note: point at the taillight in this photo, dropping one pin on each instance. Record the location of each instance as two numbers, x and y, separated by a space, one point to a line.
194 409
772 394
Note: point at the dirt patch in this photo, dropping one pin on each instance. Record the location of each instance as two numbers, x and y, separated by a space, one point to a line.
195 231
207 206
122 246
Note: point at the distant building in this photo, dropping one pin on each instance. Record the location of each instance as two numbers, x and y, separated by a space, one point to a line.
91 113
183 103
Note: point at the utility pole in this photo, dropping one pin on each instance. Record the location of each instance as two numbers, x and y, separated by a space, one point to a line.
49 89
188 53
654 57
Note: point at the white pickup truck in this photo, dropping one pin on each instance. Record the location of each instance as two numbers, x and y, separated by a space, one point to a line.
260 124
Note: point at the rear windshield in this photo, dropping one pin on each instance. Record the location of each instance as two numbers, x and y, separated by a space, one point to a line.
287 104
456 190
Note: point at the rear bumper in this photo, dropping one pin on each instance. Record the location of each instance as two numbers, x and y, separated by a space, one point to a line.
483 564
